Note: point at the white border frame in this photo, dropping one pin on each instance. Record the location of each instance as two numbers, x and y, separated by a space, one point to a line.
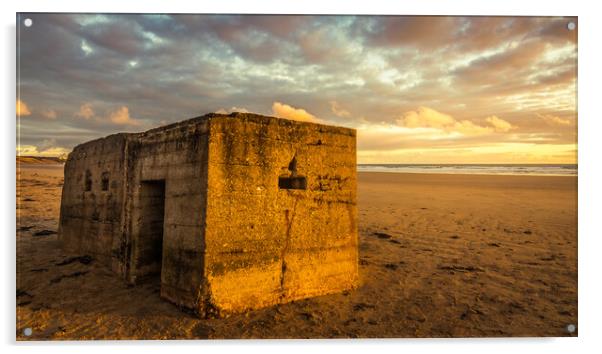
589 169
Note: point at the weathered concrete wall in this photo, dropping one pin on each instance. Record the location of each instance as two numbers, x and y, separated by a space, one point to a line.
266 244
92 197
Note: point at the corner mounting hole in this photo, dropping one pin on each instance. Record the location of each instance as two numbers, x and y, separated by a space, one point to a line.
28 22
571 26
292 182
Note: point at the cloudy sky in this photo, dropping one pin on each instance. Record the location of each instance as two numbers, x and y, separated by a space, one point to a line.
417 89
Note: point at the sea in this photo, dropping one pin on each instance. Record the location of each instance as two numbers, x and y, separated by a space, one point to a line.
472 169
476 169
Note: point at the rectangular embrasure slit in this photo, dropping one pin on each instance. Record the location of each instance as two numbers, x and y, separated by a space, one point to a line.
299 182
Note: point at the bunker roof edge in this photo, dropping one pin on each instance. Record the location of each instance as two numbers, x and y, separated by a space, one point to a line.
240 115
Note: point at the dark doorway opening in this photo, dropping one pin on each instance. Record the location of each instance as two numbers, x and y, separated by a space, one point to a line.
150 240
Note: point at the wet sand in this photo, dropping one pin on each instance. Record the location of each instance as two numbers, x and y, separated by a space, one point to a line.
440 256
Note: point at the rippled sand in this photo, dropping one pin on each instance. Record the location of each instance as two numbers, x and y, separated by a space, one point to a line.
440 256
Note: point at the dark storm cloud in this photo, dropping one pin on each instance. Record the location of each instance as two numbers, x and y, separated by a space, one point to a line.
419 31
132 72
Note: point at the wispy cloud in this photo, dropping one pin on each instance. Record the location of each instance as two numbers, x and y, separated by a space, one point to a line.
556 121
22 109
499 125
429 118
121 116
339 111
49 114
232 109
85 111
282 110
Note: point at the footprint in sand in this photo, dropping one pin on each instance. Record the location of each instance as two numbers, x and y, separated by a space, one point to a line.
44 233
459 268
547 259
81 259
72 275
23 293
38 270
391 266
382 235
362 306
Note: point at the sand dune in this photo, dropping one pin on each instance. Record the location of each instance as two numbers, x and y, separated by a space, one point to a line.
440 256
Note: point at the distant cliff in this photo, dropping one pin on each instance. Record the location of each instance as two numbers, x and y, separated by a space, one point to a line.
40 160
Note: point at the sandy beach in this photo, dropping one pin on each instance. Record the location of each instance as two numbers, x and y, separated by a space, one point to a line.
440 256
